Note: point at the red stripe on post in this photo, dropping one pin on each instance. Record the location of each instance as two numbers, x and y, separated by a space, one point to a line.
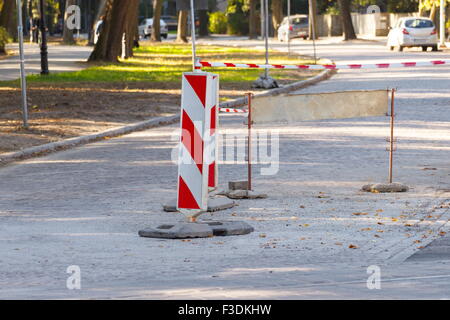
198 83
383 65
438 62
213 120
278 66
329 66
303 66
252 65
355 66
185 198
205 64
232 65
212 175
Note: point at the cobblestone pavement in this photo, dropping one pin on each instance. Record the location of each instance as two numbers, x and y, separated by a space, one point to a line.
314 236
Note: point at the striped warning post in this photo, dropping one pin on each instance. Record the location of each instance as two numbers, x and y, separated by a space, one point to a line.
195 127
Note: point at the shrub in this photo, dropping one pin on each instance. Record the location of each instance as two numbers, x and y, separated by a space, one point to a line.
217 22
4 39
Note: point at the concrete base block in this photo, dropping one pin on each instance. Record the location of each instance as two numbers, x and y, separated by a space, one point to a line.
245 194
229 228
178 231
265 83
238 185
385 187
214 204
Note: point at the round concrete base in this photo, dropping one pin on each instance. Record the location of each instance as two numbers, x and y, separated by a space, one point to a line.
385 187
203 229
214 204
229 228
245 194
178 231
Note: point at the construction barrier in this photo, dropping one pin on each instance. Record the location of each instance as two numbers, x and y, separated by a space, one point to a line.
408 64
198 100
198 154
291 108
227 110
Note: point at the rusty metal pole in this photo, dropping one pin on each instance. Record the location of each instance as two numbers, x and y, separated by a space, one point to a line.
391 144
249 150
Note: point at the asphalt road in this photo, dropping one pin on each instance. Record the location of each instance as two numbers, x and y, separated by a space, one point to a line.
61 59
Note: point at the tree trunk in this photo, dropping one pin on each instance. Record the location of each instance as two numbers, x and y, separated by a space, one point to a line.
156 28
277 15
252 20
131 34
68 33
109 45
433 12
8 18
100 13
346 17
421 8
203 19
182 26
312 4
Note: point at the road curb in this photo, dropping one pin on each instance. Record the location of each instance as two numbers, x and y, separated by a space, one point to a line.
156 122
77 141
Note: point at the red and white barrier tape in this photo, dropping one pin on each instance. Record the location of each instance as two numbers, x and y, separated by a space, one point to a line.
227 110
202 64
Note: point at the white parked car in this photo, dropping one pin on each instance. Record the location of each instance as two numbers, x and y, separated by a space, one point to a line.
413 32
145 28
296 27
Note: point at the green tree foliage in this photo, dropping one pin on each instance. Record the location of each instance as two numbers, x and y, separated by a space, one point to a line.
217 22
237 17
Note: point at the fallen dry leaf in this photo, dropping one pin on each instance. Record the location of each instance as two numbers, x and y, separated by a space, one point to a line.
262 235
352 246
366 229
360 213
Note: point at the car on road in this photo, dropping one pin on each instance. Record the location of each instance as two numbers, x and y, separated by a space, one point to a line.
145 28
294 27
413 32
171 21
